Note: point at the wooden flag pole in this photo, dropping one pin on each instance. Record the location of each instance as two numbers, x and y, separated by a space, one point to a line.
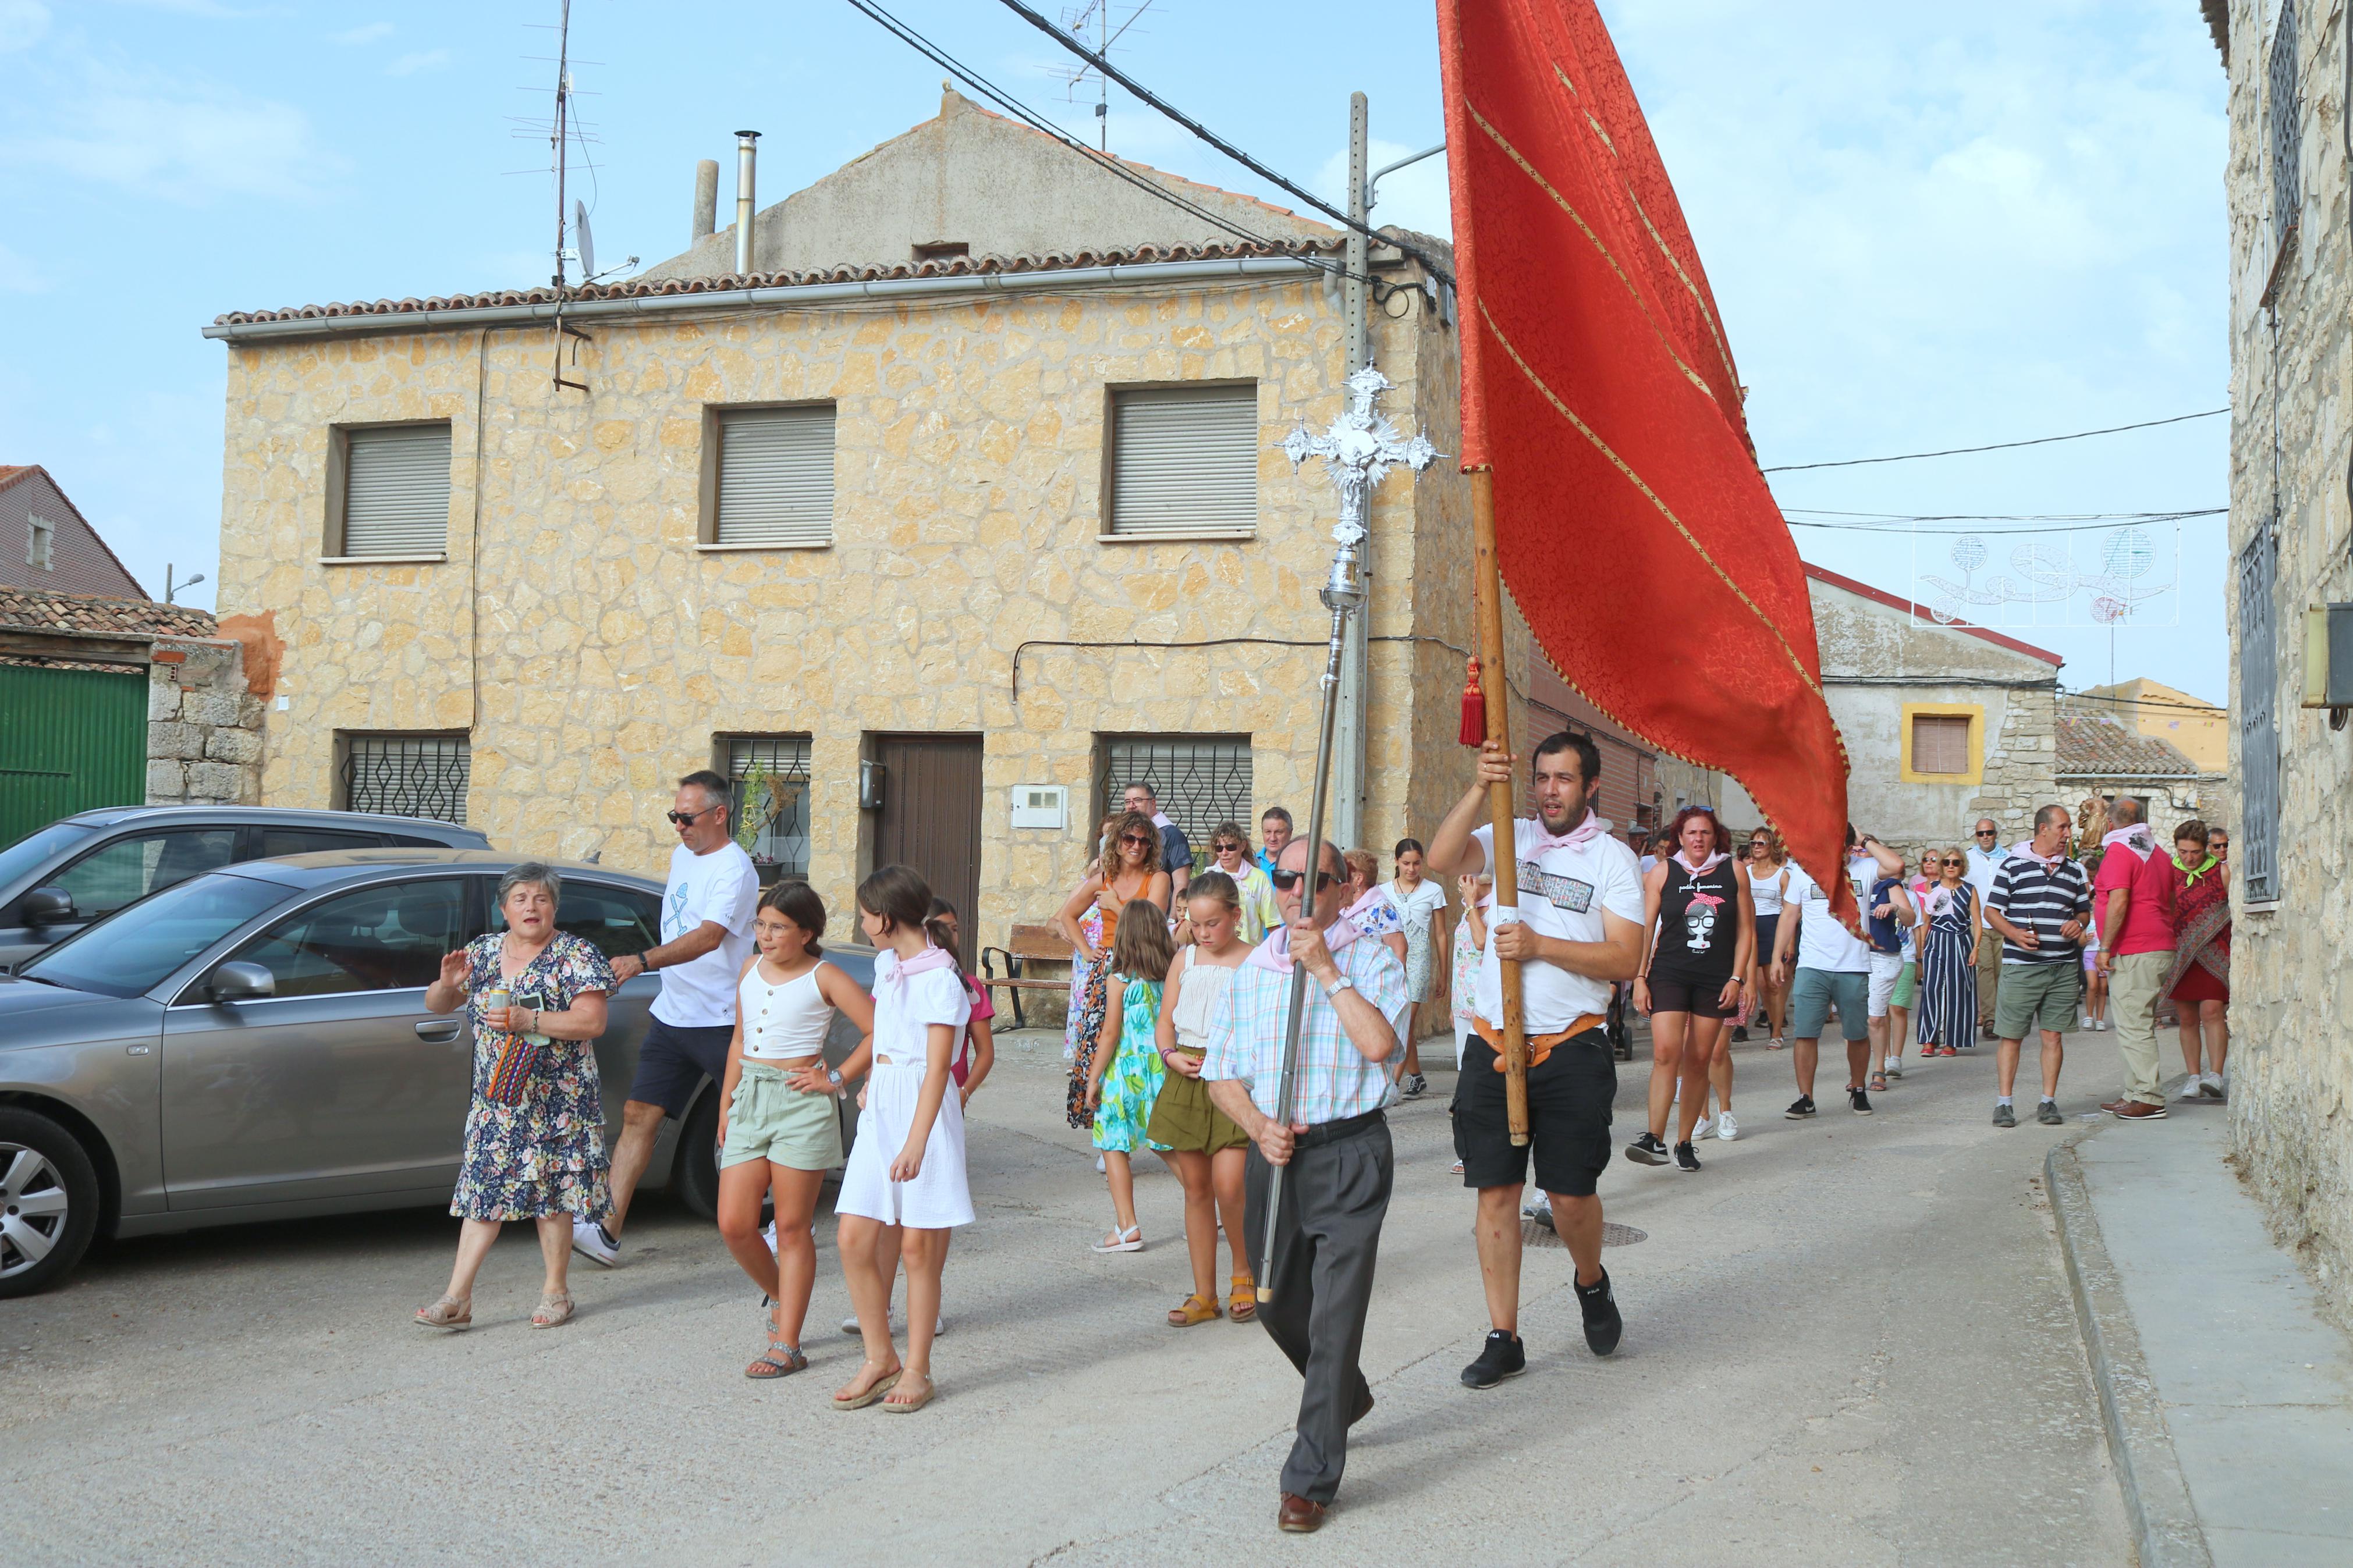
1487 578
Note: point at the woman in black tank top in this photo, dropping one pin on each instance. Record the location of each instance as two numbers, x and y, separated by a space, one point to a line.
1701 959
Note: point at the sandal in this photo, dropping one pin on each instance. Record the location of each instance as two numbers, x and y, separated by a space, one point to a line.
774 1364
1879 1083
872 1391
554 1312
448 1313
909 1406
1243 1305
1128 1240
1195 1309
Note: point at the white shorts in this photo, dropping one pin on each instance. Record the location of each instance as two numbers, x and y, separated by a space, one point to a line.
1885 968
939 1197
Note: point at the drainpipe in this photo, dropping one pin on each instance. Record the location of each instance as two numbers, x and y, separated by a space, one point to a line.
706 199
746 150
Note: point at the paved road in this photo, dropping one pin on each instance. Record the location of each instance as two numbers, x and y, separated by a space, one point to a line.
1848 1341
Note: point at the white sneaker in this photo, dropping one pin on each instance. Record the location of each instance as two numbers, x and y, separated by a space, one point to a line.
2213 1086
1702 1128
2192 1091
1726 1128
590 1241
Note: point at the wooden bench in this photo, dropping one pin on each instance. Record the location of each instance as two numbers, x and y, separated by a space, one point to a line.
1029 945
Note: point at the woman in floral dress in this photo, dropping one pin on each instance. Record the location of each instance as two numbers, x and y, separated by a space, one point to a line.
1128 874
535 1133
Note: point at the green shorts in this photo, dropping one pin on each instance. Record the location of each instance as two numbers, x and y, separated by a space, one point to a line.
770 1120
1908 986
2030 993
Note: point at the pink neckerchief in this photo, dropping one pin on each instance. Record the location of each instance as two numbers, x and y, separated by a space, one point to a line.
1704 868
1274 952
929 959
2137 838
1584 832
2026 848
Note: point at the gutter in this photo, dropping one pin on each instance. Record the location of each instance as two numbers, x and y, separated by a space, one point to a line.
775 297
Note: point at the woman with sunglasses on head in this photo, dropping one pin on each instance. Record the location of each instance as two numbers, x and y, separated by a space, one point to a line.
1768 870
1949 957
1130 876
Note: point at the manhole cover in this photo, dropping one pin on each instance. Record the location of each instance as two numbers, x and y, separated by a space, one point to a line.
1538 1233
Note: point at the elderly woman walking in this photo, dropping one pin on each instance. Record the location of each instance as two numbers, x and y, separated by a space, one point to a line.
2199 982
535 1133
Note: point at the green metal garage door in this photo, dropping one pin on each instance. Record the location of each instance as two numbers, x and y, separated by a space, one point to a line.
70 739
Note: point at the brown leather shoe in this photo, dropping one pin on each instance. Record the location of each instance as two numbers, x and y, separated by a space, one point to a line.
1298 1516
2113 1106
2134 1111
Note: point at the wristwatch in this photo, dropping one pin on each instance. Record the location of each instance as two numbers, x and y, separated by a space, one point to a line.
833 1077
1332 992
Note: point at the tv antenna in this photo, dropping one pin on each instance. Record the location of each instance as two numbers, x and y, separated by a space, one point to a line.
564 127
1096 14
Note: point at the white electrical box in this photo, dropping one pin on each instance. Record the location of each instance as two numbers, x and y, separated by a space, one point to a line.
1041 806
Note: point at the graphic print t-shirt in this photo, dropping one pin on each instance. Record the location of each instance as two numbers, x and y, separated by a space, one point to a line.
720 886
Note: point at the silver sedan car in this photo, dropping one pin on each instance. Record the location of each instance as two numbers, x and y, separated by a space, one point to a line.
252 1043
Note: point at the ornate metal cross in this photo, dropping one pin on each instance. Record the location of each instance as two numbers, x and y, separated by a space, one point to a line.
1361 448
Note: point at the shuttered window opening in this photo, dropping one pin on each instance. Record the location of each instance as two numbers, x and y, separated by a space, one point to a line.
775 476
396 490
1940 744
1185 460
408 775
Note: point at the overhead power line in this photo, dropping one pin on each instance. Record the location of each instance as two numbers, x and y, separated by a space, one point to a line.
2022 523
1996 446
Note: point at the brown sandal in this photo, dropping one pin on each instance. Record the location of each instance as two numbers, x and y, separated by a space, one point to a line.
448 1313
1194 1309
1243 1305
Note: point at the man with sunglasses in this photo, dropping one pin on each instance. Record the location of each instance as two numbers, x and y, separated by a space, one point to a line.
1176 849
1986 853
1578 930
706 928
1337 1161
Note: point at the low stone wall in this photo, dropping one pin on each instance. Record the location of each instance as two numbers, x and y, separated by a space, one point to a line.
203 725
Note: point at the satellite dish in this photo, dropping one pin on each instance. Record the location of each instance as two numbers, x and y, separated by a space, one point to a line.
582 240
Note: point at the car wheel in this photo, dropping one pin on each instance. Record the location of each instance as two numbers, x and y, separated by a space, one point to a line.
694 1174
48 1203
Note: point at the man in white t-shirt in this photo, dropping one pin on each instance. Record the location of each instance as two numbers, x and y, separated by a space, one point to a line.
1834 967
706 929
1578 930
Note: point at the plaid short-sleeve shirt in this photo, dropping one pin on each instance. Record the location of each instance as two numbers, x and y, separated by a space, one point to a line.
1333 1081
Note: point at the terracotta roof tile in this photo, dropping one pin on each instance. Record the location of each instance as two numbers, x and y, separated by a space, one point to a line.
36 610
2092 744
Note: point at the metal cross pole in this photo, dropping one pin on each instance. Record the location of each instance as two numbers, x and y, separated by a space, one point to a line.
1359 449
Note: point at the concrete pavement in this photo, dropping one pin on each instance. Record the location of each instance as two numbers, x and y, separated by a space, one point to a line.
1849 1342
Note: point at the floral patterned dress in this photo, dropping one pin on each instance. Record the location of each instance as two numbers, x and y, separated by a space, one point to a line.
1089 1001
546 1155
1131 1085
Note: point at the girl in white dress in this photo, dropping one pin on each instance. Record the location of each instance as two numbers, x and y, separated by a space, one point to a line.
1420 905
906 1167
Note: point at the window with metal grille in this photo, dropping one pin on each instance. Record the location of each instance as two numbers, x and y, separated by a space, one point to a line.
408 775
768 778
1184 459
395 489
2257 852
774 477
2285 121
1200 779
1940 744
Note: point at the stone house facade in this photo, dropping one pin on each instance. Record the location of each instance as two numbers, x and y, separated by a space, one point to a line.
2291 329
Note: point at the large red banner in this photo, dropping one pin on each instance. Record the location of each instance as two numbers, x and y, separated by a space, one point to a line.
1634 529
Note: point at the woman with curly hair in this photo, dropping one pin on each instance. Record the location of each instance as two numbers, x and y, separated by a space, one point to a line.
1129 877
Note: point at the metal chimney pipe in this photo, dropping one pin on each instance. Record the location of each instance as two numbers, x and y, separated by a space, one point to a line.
746 150
706 198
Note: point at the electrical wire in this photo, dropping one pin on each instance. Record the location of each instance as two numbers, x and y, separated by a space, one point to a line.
1896 526
1996 446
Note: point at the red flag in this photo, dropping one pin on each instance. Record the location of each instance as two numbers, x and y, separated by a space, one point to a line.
1633 528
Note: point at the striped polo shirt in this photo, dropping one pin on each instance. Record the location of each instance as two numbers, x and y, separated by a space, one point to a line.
2033 898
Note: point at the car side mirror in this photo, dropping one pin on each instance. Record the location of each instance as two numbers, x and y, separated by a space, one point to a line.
48 907
237 981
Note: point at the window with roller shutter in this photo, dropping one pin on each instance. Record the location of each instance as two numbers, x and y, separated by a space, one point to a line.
772 482
1184 460
1940 744
391 487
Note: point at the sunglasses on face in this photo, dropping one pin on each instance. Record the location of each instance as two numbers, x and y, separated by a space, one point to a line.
1988 833
1286 881
684 819
1953 860
1134 839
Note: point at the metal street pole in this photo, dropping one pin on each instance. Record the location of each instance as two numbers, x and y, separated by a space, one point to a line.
1349 747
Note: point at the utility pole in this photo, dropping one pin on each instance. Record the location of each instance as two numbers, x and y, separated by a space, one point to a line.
1348 751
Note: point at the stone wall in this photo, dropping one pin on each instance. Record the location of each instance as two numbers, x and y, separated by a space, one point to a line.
203 726
2291 1067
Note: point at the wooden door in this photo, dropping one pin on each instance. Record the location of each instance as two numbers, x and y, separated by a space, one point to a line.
931 819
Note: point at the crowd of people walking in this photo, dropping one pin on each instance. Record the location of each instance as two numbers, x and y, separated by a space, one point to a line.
1183 981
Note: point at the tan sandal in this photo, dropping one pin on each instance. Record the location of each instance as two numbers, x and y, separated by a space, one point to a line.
1195 1309
1243 1305
554 1312
870 1393
449 1312
896 1407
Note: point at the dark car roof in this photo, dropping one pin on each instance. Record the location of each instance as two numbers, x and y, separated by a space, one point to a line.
330 867
114 816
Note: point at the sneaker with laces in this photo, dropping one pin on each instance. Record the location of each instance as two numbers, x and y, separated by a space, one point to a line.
2048 1114
1858 1102
1646 1150
2003 1116
590 1239
1726 1129
1801 1107
1501 1357
1413 1085
1702 1128
2192 1092
2211 1085
1603 1326
1687 1159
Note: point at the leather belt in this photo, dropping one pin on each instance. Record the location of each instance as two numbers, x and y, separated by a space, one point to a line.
1332 1132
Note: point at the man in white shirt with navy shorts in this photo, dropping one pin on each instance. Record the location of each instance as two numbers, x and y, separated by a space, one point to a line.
1578 931
706 928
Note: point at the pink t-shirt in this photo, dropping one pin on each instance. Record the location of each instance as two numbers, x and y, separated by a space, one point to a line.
982 1009
2148 906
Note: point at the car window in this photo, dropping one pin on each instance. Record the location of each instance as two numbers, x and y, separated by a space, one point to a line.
309 840
383 938
618 919
130 869
138 950
36 849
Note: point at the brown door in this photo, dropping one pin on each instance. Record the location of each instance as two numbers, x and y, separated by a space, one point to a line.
931 818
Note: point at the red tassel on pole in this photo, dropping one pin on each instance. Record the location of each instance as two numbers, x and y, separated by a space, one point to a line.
1474 710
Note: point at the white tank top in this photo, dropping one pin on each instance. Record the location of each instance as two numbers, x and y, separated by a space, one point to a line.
1765 892
1204 986
783 1022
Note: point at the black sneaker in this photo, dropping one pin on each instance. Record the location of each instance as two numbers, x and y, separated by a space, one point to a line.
2048 1114
2003 1116
1801 1107
1502 1356
1858 1102
1603 1326
1740 1034
1647 1151
1412 1086
1685 1160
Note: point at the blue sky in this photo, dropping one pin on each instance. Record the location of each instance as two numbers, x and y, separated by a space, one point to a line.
1925 229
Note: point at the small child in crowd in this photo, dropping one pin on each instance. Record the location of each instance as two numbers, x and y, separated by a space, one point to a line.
1124 1078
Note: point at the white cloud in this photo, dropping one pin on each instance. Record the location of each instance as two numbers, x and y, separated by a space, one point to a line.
371 33
424 60
22 23
185 144
19 276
